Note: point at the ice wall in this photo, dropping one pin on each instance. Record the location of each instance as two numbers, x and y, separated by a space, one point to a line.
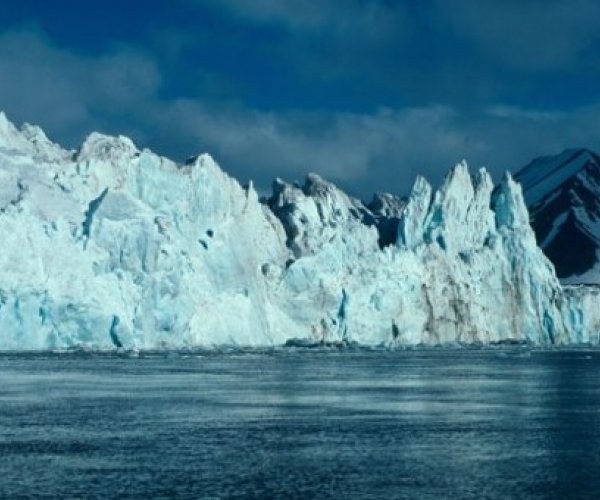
111 246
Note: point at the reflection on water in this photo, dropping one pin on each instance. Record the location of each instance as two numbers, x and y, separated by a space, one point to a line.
415 424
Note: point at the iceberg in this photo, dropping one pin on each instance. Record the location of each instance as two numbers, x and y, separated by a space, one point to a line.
114 247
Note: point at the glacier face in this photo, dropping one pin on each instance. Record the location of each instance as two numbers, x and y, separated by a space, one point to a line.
110 246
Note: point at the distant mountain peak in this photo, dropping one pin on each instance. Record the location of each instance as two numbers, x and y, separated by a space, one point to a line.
563 196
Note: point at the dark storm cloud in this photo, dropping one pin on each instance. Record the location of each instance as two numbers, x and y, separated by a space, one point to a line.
530 35
68 93
367 93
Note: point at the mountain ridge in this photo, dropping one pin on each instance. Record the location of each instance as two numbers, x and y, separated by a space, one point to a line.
563 196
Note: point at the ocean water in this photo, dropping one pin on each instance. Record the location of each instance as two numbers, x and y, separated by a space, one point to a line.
439 423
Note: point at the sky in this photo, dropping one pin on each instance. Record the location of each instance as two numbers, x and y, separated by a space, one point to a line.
366 93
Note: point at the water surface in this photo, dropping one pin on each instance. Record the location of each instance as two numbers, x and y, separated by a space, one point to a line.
502 423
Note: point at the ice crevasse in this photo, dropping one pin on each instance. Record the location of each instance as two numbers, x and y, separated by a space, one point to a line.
115 247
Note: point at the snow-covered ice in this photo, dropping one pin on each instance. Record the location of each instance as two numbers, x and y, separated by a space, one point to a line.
112 246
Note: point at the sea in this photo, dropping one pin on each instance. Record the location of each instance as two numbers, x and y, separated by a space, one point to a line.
506 422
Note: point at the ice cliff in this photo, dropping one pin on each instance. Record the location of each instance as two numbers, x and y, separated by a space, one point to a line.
110 246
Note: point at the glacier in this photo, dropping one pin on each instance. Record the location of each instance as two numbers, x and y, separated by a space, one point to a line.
111 247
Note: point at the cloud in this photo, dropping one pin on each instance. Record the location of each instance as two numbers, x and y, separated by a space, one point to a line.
373 18
349 148
326 39
402 53
529 35
121 91
382 151
517 113
70 93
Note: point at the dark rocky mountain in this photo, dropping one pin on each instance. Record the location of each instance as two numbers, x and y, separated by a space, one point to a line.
562 193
